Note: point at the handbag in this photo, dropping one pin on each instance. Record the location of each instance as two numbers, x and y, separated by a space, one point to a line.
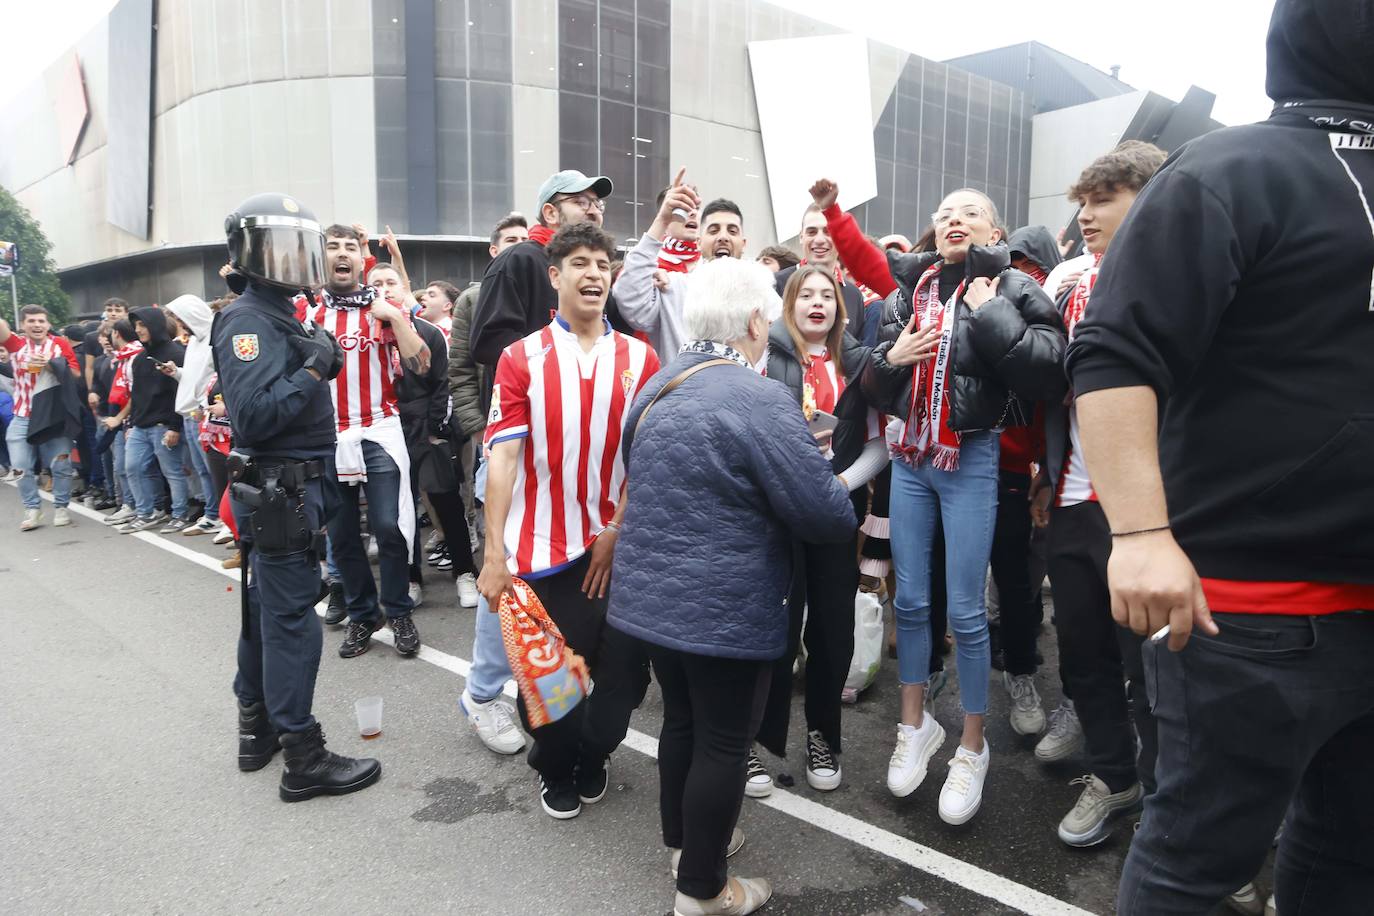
435 471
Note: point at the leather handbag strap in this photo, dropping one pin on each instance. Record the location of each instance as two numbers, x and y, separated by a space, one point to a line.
678 380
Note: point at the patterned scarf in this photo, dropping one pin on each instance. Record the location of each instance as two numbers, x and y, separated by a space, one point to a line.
678 255
1078 299
123 361
716 349
926 432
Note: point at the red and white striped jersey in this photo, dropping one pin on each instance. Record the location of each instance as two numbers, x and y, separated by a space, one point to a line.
822 387
570 406
25 382
364 391
1075 486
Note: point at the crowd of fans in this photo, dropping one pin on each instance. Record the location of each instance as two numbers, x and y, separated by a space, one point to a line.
874 416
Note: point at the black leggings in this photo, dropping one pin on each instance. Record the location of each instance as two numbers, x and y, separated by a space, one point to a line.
1019 601
824 580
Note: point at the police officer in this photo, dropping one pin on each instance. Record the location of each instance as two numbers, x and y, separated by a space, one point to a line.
275 374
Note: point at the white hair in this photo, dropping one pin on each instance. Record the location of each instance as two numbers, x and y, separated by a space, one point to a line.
723 294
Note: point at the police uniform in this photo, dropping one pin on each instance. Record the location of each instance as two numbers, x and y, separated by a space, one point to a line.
274 374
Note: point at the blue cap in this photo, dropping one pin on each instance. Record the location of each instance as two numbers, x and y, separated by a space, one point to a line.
571 181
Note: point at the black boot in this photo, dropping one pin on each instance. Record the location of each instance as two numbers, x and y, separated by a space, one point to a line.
257 738
311 770
337 610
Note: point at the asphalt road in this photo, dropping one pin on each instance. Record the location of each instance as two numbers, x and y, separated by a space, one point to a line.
122 793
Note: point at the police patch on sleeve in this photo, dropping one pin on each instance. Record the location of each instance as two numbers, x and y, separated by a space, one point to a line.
246 347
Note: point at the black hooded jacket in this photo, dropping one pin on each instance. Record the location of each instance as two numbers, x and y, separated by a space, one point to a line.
1240 289
1004 356
1036 244
154 395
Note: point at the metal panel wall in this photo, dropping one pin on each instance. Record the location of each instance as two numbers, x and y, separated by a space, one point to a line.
128 173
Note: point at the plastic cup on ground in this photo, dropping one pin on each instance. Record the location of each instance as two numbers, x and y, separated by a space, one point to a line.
369 711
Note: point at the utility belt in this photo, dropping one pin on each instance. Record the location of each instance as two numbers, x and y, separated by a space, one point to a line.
275 488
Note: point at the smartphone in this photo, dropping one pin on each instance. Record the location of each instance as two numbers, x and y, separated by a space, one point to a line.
821 422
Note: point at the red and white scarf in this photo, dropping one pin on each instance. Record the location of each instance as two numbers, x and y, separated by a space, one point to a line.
926 433
1078 299
123 383
678 254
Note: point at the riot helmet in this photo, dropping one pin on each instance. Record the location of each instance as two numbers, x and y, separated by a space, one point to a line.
274 239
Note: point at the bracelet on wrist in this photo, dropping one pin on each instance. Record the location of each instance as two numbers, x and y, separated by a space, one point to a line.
1127 534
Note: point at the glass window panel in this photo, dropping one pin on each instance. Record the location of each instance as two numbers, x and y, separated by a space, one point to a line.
389 98
577 132
388 38
493 184
618 50
979 93
956 128
932 147
489 42
450 39
651 166
452 122
618 164
577 40
654 53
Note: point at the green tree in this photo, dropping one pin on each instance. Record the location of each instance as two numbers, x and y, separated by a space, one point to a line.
37 279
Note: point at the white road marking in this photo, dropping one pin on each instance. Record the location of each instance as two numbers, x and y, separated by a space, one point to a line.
847 827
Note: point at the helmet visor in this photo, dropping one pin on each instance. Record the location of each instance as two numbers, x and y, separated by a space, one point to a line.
283 250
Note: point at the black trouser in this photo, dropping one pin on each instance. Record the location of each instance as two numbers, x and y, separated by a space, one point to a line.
619 666
711 710
1018 600
1096 655
279 656
1275 708
824 580
453 520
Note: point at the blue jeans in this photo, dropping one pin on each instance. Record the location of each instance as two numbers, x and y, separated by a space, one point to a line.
966 501
191 436
346 541
121 468
490 667
55 454
144 454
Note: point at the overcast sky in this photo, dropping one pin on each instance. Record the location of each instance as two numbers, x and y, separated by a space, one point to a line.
1163 45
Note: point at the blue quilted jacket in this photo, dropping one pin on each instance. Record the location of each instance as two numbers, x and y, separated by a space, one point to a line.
722 477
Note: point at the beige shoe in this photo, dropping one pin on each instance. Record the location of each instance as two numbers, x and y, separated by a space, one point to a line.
32 519
736 841
60 518
741 895
233 562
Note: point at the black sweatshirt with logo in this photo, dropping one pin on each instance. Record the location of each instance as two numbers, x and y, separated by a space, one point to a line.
1207 295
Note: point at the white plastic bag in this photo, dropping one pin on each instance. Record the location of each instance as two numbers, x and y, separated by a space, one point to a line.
868 642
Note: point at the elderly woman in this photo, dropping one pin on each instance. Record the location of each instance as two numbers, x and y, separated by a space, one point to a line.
723 476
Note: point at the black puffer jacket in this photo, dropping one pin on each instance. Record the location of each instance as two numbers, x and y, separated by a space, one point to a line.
1004 357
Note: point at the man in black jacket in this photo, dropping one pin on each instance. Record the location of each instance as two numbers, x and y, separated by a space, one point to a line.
1226 395
154 438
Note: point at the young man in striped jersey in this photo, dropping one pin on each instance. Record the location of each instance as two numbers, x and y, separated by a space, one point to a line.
377 339
555 491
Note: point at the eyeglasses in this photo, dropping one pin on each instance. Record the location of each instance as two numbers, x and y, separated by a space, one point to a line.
965 214
585 202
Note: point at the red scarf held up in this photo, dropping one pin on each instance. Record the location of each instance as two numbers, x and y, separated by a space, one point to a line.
678 255
927 433
123 360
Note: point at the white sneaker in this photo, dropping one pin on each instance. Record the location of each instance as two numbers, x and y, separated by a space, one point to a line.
120 516
417 595
224 536
60 518
963 791
911 757
1027 715
494 724
467 590
202 526
1065 736
740 896
32 519
371 548
1247 900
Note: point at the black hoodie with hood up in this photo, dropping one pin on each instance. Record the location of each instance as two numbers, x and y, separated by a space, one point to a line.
153 394
1241 288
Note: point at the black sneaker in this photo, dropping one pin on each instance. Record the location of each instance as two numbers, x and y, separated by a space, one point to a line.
338 608
822 769
358 639
444 563
438 551
592 784
559 800
407 637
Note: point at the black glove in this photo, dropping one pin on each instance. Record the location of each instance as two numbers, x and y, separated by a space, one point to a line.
320 351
